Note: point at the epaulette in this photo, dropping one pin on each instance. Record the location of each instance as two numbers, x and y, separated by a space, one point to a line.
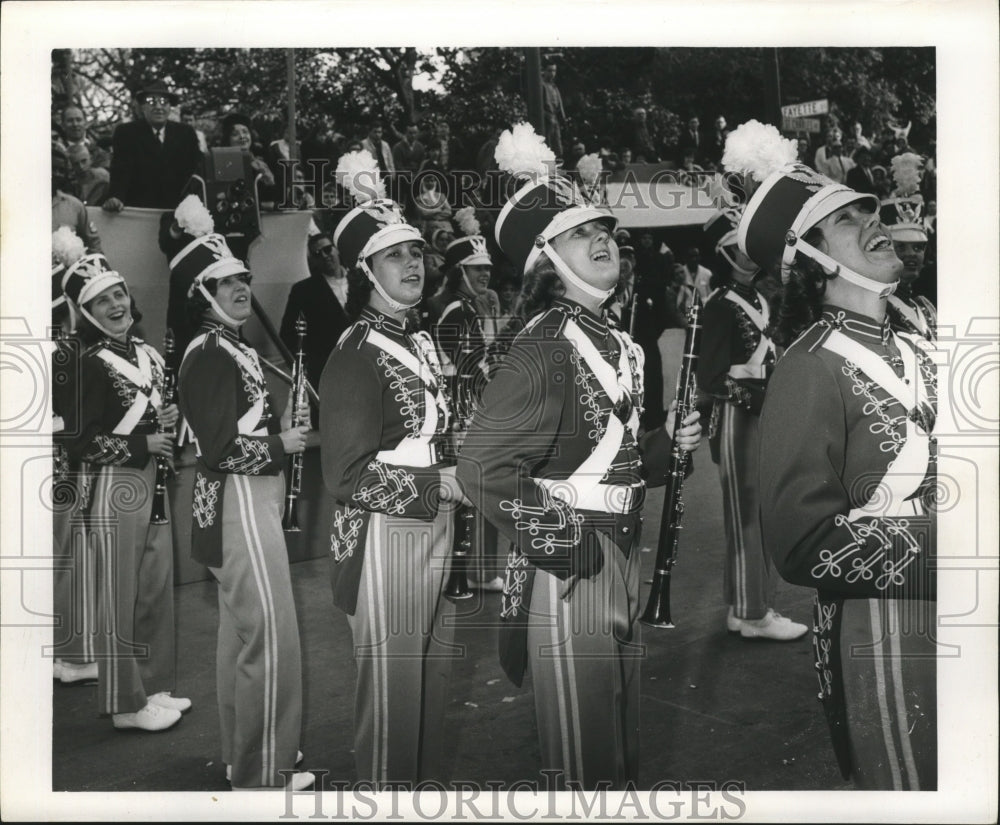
813 337
547 324
354 336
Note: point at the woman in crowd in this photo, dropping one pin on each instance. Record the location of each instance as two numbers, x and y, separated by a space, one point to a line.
238 492
121 427
237 131
393 485
847 469
552 460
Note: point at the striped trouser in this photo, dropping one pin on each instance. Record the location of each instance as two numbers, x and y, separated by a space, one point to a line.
135 600
748 582
258 661
403 631
74 579
584 654
889 678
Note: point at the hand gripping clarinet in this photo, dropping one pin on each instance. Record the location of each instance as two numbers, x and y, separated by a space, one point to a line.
657 613
290 520
163 468
457 587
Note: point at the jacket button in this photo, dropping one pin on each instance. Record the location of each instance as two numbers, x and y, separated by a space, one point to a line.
626 530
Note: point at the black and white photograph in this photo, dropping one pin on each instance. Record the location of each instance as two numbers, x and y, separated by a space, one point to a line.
502 412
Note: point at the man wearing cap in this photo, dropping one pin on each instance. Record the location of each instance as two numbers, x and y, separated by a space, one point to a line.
153 157
239 488
552 460
68 210
847 494
120 425
735 361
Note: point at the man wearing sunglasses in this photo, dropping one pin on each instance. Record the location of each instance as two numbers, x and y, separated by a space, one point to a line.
153 157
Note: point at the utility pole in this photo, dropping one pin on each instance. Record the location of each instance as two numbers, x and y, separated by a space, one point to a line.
293 151
533 89
772 86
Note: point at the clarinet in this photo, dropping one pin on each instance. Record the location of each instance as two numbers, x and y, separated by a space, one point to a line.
290 520
457 587
163 470
657 613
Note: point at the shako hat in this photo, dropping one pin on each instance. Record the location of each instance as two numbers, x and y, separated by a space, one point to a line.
470 248
902 212
791 200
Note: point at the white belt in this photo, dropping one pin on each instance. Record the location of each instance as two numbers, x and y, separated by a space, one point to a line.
410 452
601 498
748 371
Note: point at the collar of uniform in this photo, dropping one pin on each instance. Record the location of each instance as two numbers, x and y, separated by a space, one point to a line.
383 323
126 347
744 291
856 325
597 324
226 332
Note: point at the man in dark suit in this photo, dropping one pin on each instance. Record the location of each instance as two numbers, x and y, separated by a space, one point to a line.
690 142
860 178
152 158
322 300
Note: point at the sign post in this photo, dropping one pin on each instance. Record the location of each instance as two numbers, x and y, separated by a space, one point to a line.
806 109
810 125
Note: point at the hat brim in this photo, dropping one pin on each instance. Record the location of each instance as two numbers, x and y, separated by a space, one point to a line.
908 233
477 260
390 235
836 199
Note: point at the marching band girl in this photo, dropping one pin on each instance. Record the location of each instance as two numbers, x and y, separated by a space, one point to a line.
551 459
383 420
120 426
846 491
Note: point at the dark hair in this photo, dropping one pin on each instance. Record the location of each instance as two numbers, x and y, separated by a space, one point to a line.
798 304
312 240
539 288
359 291
453 278
197 306
89 333
230 122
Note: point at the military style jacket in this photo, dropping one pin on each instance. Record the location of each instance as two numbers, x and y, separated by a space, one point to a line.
462 348
915 315
551 457
223 396
113 407
384 420
847 475
735 357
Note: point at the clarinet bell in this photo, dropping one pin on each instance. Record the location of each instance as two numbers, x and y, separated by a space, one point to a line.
290 520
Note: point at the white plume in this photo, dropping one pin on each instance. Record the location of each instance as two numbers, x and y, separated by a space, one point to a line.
193 217
523 153
590 168
465 218
67 247
907 169
358 173
758 149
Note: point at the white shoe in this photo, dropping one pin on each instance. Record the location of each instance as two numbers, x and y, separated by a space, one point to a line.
165 700
151 718
298 761
772 626
70 673
494 585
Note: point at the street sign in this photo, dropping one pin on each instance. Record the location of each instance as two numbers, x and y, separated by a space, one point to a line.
801 124
810 107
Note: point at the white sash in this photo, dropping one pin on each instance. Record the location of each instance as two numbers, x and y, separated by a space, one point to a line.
907 470
583 488
415 450
141 377
754 367
248 423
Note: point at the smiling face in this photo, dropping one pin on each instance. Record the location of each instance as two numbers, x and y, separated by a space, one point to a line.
112 310
232 294
400 271
240 137
590 251
853 236
478 277
911 253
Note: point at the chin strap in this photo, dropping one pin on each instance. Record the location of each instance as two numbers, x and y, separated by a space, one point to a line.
212 302
395 305
724 251
571 277
883 290
73 309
